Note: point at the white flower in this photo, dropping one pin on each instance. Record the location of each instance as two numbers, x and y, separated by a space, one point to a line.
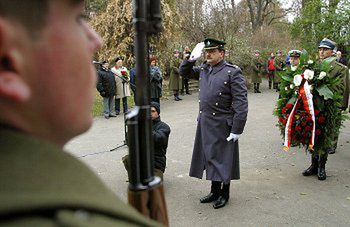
293 68
297 80
309 74
322 75
286 88
310 62
291 86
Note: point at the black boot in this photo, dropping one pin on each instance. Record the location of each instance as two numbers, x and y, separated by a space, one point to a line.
214 193
270 84
312 170
254 87
257 88
224 197
322 168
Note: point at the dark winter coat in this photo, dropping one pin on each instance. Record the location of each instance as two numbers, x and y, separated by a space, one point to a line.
161 132
223 108
106 83
156 82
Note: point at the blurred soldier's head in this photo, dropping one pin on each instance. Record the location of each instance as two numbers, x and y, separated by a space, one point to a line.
54 32
325 49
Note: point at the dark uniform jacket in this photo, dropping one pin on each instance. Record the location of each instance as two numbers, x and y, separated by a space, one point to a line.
161 132
106 83
223 108
41 185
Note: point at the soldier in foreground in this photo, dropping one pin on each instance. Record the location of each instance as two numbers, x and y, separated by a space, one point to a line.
223 108
43 106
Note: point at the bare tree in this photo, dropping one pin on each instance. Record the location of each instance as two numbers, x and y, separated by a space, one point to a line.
263 12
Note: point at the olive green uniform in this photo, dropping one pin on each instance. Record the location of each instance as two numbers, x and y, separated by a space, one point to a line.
258 69
41 185
279 64
339 70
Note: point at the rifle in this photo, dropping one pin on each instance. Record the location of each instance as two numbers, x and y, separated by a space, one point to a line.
145 191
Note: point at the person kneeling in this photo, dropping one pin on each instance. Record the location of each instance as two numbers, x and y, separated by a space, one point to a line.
160 133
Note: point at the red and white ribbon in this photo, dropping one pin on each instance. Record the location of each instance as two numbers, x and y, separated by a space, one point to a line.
305 96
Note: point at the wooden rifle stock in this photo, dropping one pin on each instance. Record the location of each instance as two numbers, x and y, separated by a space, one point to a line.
145 191
150 203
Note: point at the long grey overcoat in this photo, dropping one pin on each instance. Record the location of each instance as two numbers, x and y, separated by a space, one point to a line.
223 108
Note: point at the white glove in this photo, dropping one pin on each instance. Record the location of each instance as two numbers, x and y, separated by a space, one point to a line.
233 136
197 51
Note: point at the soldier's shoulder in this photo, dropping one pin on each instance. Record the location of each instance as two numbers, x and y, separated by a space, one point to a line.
232 67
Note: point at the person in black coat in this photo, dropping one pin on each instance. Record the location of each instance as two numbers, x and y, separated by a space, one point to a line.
160 133
106 86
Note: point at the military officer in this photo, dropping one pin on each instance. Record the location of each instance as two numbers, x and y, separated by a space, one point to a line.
257 68
223 109
279 65
325 50
294 59
42 107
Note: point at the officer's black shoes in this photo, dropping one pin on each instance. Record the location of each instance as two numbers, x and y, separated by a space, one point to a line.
312 170
331 150
209 198
220 202
321 173
257 91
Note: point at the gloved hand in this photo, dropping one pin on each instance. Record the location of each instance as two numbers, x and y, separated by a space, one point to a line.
233 137
197 51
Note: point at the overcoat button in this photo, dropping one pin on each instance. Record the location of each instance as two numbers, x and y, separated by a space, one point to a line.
199 89
199 100
229 71
200 111
214 114
217 104
220 93
225 82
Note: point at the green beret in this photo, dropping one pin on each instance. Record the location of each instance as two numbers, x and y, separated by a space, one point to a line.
294 53
213 44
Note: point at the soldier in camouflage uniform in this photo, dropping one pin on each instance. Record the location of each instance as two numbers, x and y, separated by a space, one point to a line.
257 68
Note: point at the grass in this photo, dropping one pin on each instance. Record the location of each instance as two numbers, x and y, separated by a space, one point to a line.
97 109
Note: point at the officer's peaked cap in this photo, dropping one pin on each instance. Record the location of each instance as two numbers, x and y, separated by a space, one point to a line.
327 43
294 53
213 44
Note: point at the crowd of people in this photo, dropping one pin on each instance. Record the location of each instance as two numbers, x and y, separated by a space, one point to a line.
112 91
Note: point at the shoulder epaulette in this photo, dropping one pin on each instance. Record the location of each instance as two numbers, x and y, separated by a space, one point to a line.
233 66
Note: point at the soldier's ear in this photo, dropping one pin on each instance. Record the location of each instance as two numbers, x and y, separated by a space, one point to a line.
12 86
